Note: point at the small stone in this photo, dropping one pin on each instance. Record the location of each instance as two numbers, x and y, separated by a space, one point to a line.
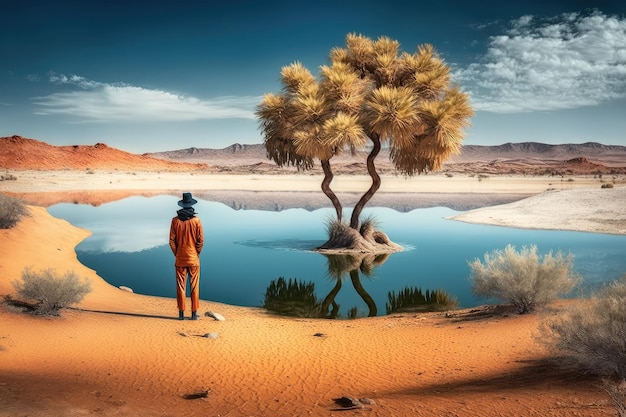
196 395
127 289
347 402
211 335
319 335
215 316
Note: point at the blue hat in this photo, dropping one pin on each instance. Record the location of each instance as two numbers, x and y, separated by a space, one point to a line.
187 201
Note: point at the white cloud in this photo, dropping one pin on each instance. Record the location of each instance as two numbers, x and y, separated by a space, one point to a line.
77 80
570 61
91 100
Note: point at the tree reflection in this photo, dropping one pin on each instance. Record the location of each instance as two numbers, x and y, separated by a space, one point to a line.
296 298
351 264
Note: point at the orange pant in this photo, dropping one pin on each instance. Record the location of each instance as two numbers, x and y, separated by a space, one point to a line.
194 284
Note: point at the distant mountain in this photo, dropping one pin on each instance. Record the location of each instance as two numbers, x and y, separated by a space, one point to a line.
593 151
235 154
17 152
524 157
527 158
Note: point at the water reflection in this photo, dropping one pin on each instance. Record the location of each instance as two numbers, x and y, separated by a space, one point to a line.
127 226
298 298
246 249
412 299
292 298
352 264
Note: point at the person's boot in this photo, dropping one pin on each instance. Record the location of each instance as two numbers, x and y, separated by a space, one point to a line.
181 315
194 315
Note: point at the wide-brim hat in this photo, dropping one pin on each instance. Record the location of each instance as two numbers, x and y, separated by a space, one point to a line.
187 201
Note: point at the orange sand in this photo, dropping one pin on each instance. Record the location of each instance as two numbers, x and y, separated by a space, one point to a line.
123 354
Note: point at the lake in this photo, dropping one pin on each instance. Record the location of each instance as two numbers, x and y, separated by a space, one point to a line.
245 250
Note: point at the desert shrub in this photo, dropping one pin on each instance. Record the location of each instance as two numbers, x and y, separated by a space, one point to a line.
592 335
524 278
11 211
607 185
368 225
340 233
50 291
617 392
8 177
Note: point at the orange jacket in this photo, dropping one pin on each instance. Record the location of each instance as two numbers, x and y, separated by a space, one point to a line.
186 241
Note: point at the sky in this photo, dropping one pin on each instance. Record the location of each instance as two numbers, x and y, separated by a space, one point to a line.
149 76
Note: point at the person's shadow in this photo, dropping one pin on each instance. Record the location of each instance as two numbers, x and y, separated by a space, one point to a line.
122 313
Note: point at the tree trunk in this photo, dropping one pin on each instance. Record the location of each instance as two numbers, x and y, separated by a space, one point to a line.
328 177
356 282
371 170
330 299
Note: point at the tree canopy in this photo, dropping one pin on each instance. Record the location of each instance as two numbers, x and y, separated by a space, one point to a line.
370 95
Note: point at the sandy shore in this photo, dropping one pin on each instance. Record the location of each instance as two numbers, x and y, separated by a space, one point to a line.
43 181
124 354
461 192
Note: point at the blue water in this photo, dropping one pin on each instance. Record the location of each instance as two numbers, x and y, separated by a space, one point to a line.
246 249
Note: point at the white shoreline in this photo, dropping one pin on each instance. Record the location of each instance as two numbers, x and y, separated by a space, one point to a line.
584 210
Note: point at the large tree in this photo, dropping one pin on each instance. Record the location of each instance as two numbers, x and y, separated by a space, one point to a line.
370 95
312 120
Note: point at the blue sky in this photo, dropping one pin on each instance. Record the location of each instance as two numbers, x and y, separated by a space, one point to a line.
156 75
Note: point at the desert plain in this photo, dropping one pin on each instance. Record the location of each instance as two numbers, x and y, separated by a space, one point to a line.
124 354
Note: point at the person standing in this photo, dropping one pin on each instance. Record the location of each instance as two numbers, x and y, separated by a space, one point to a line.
186 241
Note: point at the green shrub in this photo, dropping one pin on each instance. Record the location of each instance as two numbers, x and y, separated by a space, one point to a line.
592 335
353 313
525 279
11 211
50 291
414 299
291 298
